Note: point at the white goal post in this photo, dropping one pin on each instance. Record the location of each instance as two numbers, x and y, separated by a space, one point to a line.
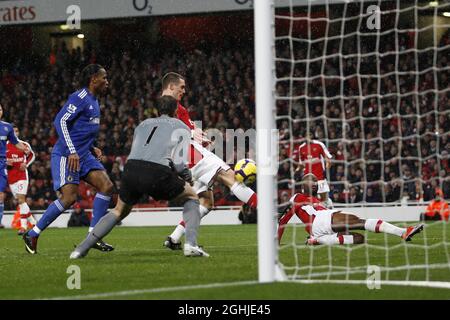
370 79
265 126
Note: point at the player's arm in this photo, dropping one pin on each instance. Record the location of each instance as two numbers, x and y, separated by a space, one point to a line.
200 136
30 156
326 155
15 141
300 165
298 160
68 113
197 134
327 163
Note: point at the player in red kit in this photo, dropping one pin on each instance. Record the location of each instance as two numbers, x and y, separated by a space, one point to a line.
206 167
314 158
330 227
18 163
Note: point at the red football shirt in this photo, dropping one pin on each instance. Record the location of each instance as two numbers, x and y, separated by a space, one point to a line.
305 207
182 114
312 157
17 157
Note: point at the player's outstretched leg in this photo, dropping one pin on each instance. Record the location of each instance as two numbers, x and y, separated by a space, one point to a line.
240 190
102 228
191 217
343 222
54 210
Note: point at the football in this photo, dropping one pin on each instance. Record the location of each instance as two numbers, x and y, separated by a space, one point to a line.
245 171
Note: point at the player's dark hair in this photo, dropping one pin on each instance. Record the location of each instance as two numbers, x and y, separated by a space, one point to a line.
166 105
171 77
88 72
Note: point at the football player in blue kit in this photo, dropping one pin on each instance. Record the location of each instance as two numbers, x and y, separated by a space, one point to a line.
6 134
74 156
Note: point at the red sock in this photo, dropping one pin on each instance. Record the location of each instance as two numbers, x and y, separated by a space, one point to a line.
183 223
253 201
282 223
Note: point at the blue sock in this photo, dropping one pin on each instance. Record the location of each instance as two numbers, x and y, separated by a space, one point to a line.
2 206
101 205
53 211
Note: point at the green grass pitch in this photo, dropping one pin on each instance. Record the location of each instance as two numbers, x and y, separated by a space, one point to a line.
140 268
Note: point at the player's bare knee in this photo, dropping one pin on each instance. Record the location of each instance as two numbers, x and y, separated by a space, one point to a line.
107 187
226 177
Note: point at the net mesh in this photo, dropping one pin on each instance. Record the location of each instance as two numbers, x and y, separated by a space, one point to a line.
370 79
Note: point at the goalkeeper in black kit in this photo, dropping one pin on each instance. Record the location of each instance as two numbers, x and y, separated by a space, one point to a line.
331 227
156 167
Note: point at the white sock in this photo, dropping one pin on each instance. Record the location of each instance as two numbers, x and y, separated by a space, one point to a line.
377 225
179 230
90 229
347 239
24 208
203 211
31 219
36 229
242 192
177 233
332 239
23 223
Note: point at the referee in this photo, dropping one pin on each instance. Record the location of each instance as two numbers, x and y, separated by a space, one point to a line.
156 166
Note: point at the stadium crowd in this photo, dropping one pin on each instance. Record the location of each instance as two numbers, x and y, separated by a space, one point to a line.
385 147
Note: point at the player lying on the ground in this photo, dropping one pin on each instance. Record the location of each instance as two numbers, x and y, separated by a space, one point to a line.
330 227
206 166
156 162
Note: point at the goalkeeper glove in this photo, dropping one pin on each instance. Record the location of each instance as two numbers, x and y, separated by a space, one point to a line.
186 175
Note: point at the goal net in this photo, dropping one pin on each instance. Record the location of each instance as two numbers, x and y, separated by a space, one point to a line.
370 80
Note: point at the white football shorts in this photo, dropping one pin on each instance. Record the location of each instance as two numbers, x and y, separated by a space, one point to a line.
205 170
323 186
322 223
19 187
